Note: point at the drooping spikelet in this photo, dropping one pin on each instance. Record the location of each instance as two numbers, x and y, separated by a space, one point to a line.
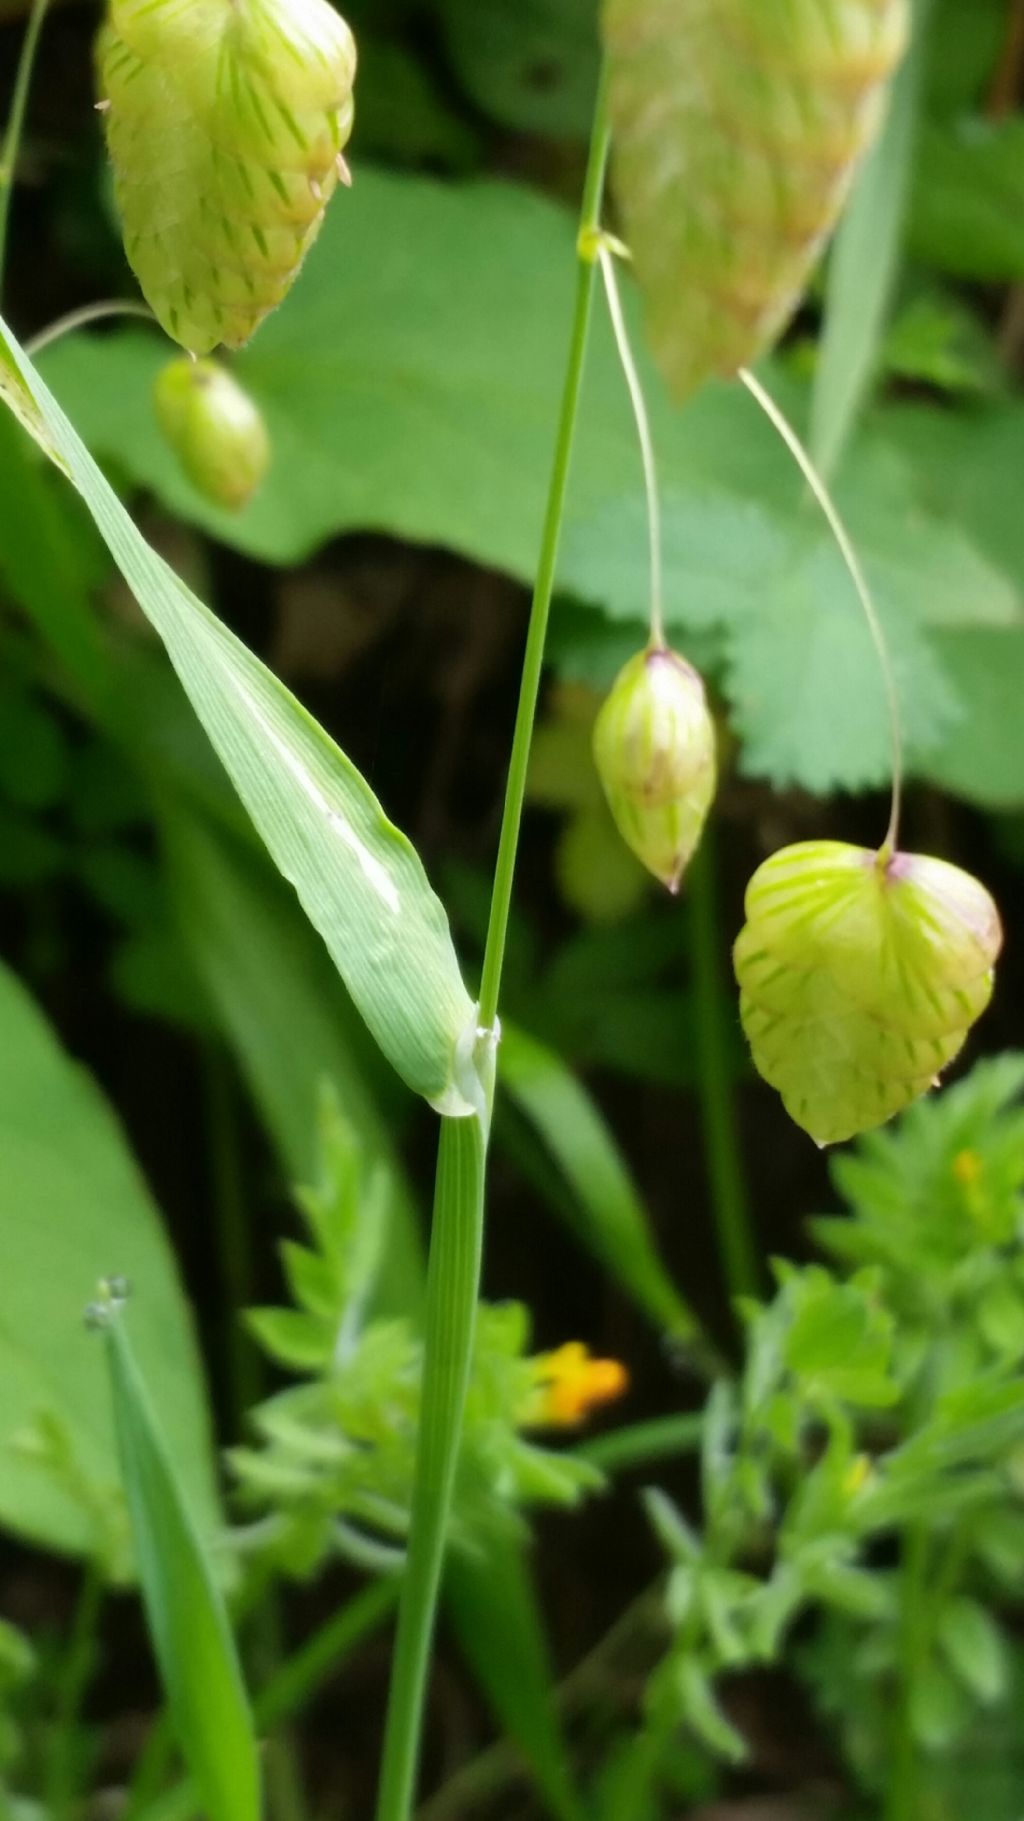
225 121
860 976
654 748
216 430
737 129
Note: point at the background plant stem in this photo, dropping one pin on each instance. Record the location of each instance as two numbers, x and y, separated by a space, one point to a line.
231 1234
902 1802
639 1444
453 1281
713 1013
72 1682
16 123
294 1683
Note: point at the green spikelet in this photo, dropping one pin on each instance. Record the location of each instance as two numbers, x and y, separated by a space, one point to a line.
654 748
860 977
214 428
225 121
737 128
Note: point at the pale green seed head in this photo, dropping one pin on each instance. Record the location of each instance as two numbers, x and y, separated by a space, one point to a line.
654 748
225 121
738 126
860 977
215 429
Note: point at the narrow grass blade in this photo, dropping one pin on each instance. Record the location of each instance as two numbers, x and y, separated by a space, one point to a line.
865 264
493 1605
664 1438
612 1219
187 1620
358 878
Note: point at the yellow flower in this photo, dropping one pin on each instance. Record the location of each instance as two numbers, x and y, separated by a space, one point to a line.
967 1167
857 1474
570 1383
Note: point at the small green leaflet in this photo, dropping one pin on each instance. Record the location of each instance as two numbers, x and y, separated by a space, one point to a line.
185 1612
358 878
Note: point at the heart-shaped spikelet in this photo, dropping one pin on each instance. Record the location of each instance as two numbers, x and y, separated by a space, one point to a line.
226 121
860 976
737 129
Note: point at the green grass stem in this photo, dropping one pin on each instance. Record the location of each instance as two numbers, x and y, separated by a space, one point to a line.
456 1240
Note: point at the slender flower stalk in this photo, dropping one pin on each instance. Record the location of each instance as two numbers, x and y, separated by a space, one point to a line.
453 1282
84 317
849 555
533 660
606 261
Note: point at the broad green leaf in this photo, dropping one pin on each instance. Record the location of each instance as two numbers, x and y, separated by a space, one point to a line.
48 561
531 64
985 763
404 115
865 260
491 1597
800 671
187 1620
965 466
964 46
358 878
287 1018
612 1219
73 1207
388 347
736 130
809 695
967 211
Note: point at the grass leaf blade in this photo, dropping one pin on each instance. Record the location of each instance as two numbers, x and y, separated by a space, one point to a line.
614 1223
864 266
491 1596
358 878
187 1619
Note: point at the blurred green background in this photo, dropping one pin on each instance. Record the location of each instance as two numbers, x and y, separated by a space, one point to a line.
410 384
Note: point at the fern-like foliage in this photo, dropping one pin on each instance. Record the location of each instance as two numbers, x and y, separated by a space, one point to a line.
331 1469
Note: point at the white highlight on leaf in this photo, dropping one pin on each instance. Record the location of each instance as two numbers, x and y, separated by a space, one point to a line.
373 872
